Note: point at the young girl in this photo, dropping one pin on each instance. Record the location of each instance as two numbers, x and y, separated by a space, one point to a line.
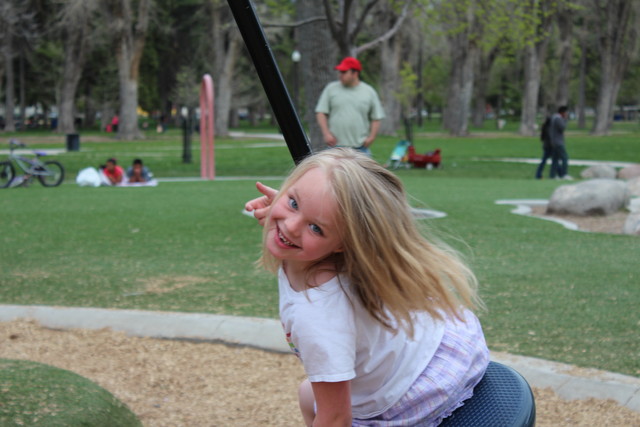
379 316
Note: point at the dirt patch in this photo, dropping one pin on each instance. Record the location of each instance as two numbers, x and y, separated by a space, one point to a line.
612 224
164 284
180 383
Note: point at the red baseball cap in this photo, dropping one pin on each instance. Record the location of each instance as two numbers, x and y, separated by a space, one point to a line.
349 63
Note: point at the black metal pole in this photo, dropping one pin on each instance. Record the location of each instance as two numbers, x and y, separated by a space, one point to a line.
272 82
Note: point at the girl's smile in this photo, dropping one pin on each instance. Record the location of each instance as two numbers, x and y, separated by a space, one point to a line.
283 241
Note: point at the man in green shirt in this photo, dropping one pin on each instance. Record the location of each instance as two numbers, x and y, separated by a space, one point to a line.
349 110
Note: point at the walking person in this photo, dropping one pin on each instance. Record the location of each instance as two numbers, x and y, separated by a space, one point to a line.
349 110
379 314
559 158
547 149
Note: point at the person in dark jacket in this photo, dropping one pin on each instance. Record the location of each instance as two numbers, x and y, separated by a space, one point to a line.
559 157
547 149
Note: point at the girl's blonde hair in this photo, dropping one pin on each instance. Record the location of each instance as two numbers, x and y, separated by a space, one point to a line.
392 267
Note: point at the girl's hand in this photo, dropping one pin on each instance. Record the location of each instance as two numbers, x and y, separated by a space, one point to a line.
260 206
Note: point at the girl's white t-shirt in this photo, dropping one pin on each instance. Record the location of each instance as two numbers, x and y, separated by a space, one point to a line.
337 340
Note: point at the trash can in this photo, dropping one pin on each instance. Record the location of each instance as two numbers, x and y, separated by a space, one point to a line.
73 142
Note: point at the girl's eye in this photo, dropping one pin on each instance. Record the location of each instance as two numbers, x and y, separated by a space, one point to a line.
315 229
292 203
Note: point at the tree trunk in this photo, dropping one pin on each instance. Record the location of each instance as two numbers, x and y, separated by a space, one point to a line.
464 52
390 58
342 25
456 111
224 87
452 105
617 41
420 105
565 25
484 65
318 57
535 53
22 91
226 42
467 91
89 109
129 47
582 84
2 71
532 76
9 92
106 113
128 117
75 48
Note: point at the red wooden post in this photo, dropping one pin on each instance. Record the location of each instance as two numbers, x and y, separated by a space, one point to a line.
207 163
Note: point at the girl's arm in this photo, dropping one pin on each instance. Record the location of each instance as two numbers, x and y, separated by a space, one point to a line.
333 402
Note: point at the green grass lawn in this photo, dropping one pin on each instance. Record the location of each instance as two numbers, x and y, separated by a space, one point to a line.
39 395
185 246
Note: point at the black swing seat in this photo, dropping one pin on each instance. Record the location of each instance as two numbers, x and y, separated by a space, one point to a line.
502 398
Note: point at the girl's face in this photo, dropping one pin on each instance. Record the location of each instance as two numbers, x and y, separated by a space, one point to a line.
303 227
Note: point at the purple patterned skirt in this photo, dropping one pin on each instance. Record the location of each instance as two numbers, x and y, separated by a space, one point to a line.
448 380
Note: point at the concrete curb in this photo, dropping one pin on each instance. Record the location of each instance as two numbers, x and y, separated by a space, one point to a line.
572 383
250 331
567 381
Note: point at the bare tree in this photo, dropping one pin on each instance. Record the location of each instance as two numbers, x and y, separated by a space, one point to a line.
461 25
318 51
345 23
617 27
483 71
17 28
8 21
540 17
392 51
582 85
348 18
226 41
74 22
565 18
326 31
129 31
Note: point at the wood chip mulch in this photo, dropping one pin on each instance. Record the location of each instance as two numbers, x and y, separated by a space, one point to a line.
180 383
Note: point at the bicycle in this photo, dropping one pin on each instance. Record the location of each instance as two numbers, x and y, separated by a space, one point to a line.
50 173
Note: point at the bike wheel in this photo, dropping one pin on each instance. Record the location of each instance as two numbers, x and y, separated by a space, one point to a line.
52 174
7 173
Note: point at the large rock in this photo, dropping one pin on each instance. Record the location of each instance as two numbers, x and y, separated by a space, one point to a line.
629 172
632 224
599 171
594 197
634 186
